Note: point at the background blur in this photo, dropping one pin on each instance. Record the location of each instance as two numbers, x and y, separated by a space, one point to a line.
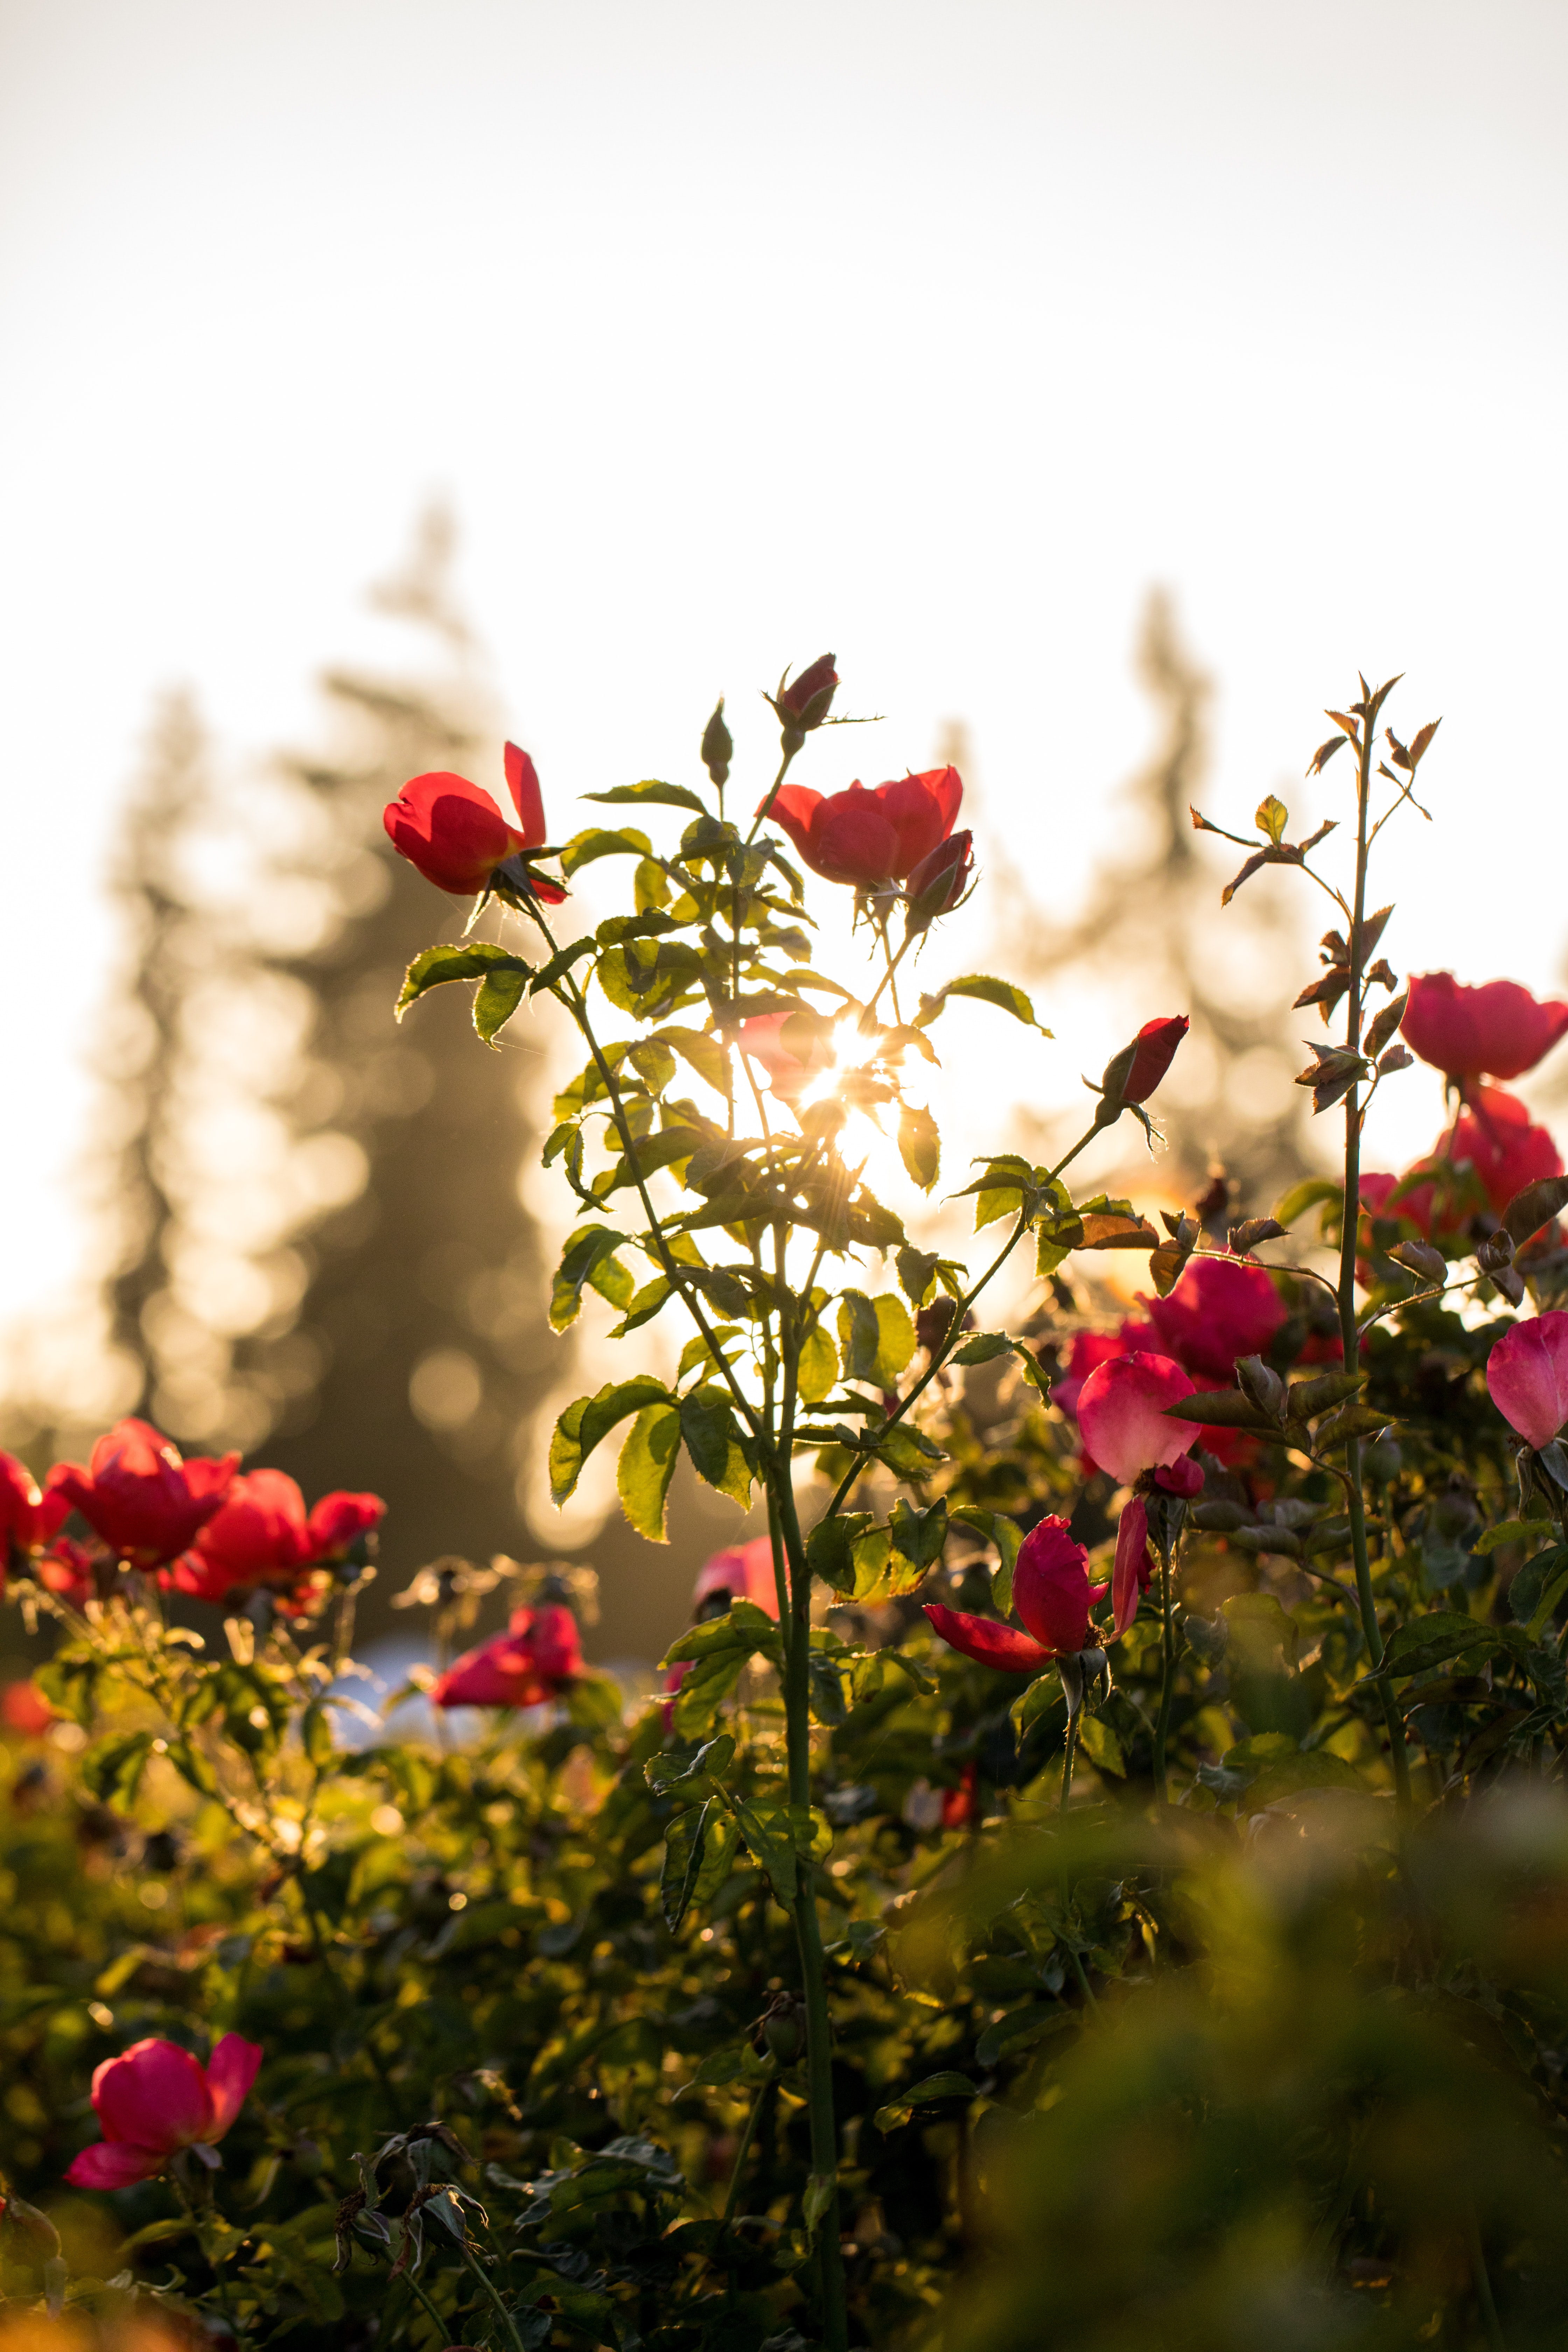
1104 383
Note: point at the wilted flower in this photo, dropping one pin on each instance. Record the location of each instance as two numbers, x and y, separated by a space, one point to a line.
455 834
534 1659
137 1493
1052 1594
154 2100
1527 1373
870 837
1500 1031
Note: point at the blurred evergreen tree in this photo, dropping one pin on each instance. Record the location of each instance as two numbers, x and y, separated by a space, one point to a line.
322 1251
1148 930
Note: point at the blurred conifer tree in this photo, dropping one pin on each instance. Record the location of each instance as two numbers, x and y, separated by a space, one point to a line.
1148 927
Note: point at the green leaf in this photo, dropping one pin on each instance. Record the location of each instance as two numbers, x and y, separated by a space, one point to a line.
584 847
1102 1746
769 1839
683 1842
645 1468
650 791
654 1063
495 998
712 1439
1537 1588
1007 1534
111 1768
470 959
721 1845
906 1452
1427 1641
918 1535
948 2085
688 1780
1511 1531
587 1419
876 1337
560 963
705 1053
818 1368
982 1348
981 984
919 1145
917 1273
1307 1195
1272 817
1020 2030
586 1258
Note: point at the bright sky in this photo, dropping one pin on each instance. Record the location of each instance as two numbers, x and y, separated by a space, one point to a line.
933 333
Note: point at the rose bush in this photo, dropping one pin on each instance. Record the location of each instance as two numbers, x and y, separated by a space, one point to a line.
953 1952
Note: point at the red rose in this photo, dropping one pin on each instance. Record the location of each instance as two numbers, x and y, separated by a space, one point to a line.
456 835
866 838
28 1519
741 1572
1495 1134
262 1535
535 1658
1219 1311
1052 1594
1527 1373
155 2099
1497 1031
146 1502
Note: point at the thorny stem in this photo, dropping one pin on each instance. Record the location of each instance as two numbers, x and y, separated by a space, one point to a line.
1350 1335
1483 2287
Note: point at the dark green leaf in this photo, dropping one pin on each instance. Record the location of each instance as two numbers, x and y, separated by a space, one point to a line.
645 1468
470 959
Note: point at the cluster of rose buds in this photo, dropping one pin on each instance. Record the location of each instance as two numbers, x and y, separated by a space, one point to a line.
197 1526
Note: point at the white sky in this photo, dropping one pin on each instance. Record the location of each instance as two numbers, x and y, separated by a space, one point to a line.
930 332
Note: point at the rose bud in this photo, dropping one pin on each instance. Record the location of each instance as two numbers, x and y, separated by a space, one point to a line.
1527 1373
717 745
1132 1075
154 2100
939 881
1500 1031
454 833
803 703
